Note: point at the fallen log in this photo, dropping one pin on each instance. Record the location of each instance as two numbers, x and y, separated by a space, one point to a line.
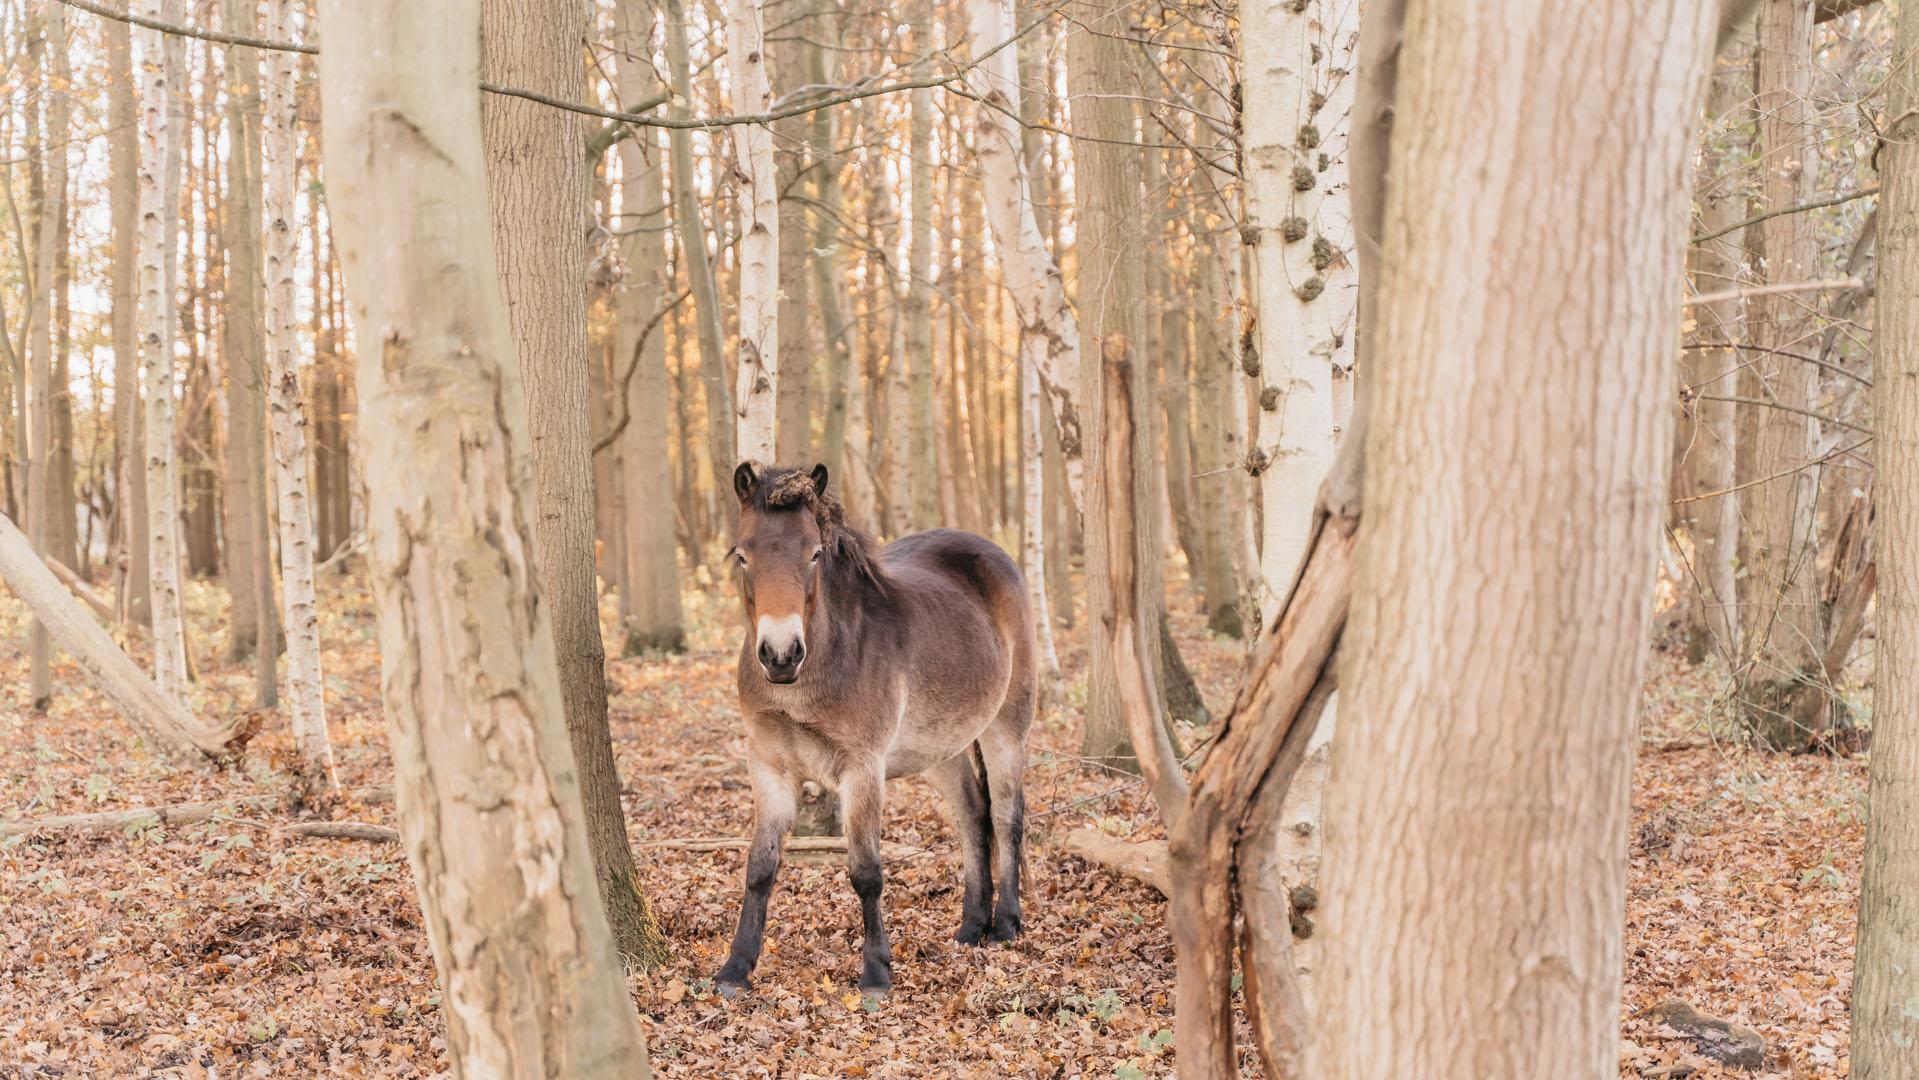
1146 861
794 845
343 830
77 586
142 817
163 721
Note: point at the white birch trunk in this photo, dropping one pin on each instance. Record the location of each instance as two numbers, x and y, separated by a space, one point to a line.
159 190
1033 550
280 165
1297 213
484 774
1049 331
756 389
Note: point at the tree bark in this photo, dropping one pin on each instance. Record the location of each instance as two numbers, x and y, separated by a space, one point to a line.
159 196
280 164
49 211
1517 977
842 382
756 389
1779 598
1885 1029
536 182
123 186
918 309
486 790
243 344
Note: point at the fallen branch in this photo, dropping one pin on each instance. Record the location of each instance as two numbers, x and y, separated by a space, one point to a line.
1146 861
143 817
888 850
77 586
343 830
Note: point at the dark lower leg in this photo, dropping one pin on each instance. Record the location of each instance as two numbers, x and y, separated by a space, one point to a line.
762 866
1009 830
860 802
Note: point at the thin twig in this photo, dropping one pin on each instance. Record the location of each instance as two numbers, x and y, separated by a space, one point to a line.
1769 290
1783 407
1817 204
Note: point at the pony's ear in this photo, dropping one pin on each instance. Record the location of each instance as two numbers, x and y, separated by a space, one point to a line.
819 479
746 480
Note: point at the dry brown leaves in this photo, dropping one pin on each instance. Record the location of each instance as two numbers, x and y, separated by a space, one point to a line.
229 948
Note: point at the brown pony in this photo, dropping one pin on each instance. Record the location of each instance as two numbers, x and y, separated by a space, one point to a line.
859 666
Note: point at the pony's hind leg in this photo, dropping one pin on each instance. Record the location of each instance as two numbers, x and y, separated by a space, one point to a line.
773 807
964 791
1003 750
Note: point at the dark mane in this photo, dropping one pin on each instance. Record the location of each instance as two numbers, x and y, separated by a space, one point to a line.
788 489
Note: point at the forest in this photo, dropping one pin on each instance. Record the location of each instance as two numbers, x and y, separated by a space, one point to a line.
1330 539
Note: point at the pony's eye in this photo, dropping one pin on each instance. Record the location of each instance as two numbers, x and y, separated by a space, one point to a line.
740 559
816 554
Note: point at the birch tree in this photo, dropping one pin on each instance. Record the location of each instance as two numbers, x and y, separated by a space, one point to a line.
1296 220
1885 1021
280 164
161 58
489 809
756 389
1520 386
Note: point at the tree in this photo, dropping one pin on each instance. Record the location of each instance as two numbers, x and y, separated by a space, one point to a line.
162 57
51 212
918 304
280 166
652 598
536 181
243 345
123 165
756 390
1885 1029
1521 957
485 785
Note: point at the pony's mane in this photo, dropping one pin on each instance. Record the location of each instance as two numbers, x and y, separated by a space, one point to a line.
786 489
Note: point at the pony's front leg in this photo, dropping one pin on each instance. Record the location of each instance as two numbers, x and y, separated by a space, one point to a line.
862 802
773 804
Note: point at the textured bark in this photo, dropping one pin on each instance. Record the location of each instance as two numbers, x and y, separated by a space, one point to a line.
793 436
243 345
756 387
123 165
48 213
1519 969
162 60
722 443
1049 332
836 332
918 310
1779 595
1885 1022
652 578
279 168
536 183
484 774
1219 417
159 718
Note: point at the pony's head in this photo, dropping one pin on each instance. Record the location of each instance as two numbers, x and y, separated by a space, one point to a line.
787 521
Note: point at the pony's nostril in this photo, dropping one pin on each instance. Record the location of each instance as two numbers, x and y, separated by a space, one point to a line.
799 652
767 655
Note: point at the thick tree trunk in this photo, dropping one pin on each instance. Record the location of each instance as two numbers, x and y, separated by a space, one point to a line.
123 167
159 718
1219 483
1779 596
652 578
756 388
536 181
50 210
793 435
842 382
280 166
918 311
1885 1029
249 543
159 197
484 774
1520 967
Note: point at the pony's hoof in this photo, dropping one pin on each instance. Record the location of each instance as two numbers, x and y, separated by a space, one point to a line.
1004 929
971 935
729 985
877 983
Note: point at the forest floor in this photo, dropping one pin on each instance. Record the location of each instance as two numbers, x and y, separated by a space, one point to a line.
229 948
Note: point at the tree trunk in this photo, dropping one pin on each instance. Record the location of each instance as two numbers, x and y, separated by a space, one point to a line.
159 718
1779 597
123 166
48 212
249 541
280 165
1450 697
926 477
793 436
653 618
1219 483
159 197
842 388
488 804
1885 1029
756 390
536 181
722 443
1295 221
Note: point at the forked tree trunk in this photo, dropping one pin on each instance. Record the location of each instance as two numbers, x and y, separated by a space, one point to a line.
536 181
159 198
484 776
756 388
1514 897
249 545
1885 1029
280 165
123 185
1779 596
652 585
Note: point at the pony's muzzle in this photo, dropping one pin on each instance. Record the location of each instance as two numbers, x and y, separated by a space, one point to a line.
782 649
